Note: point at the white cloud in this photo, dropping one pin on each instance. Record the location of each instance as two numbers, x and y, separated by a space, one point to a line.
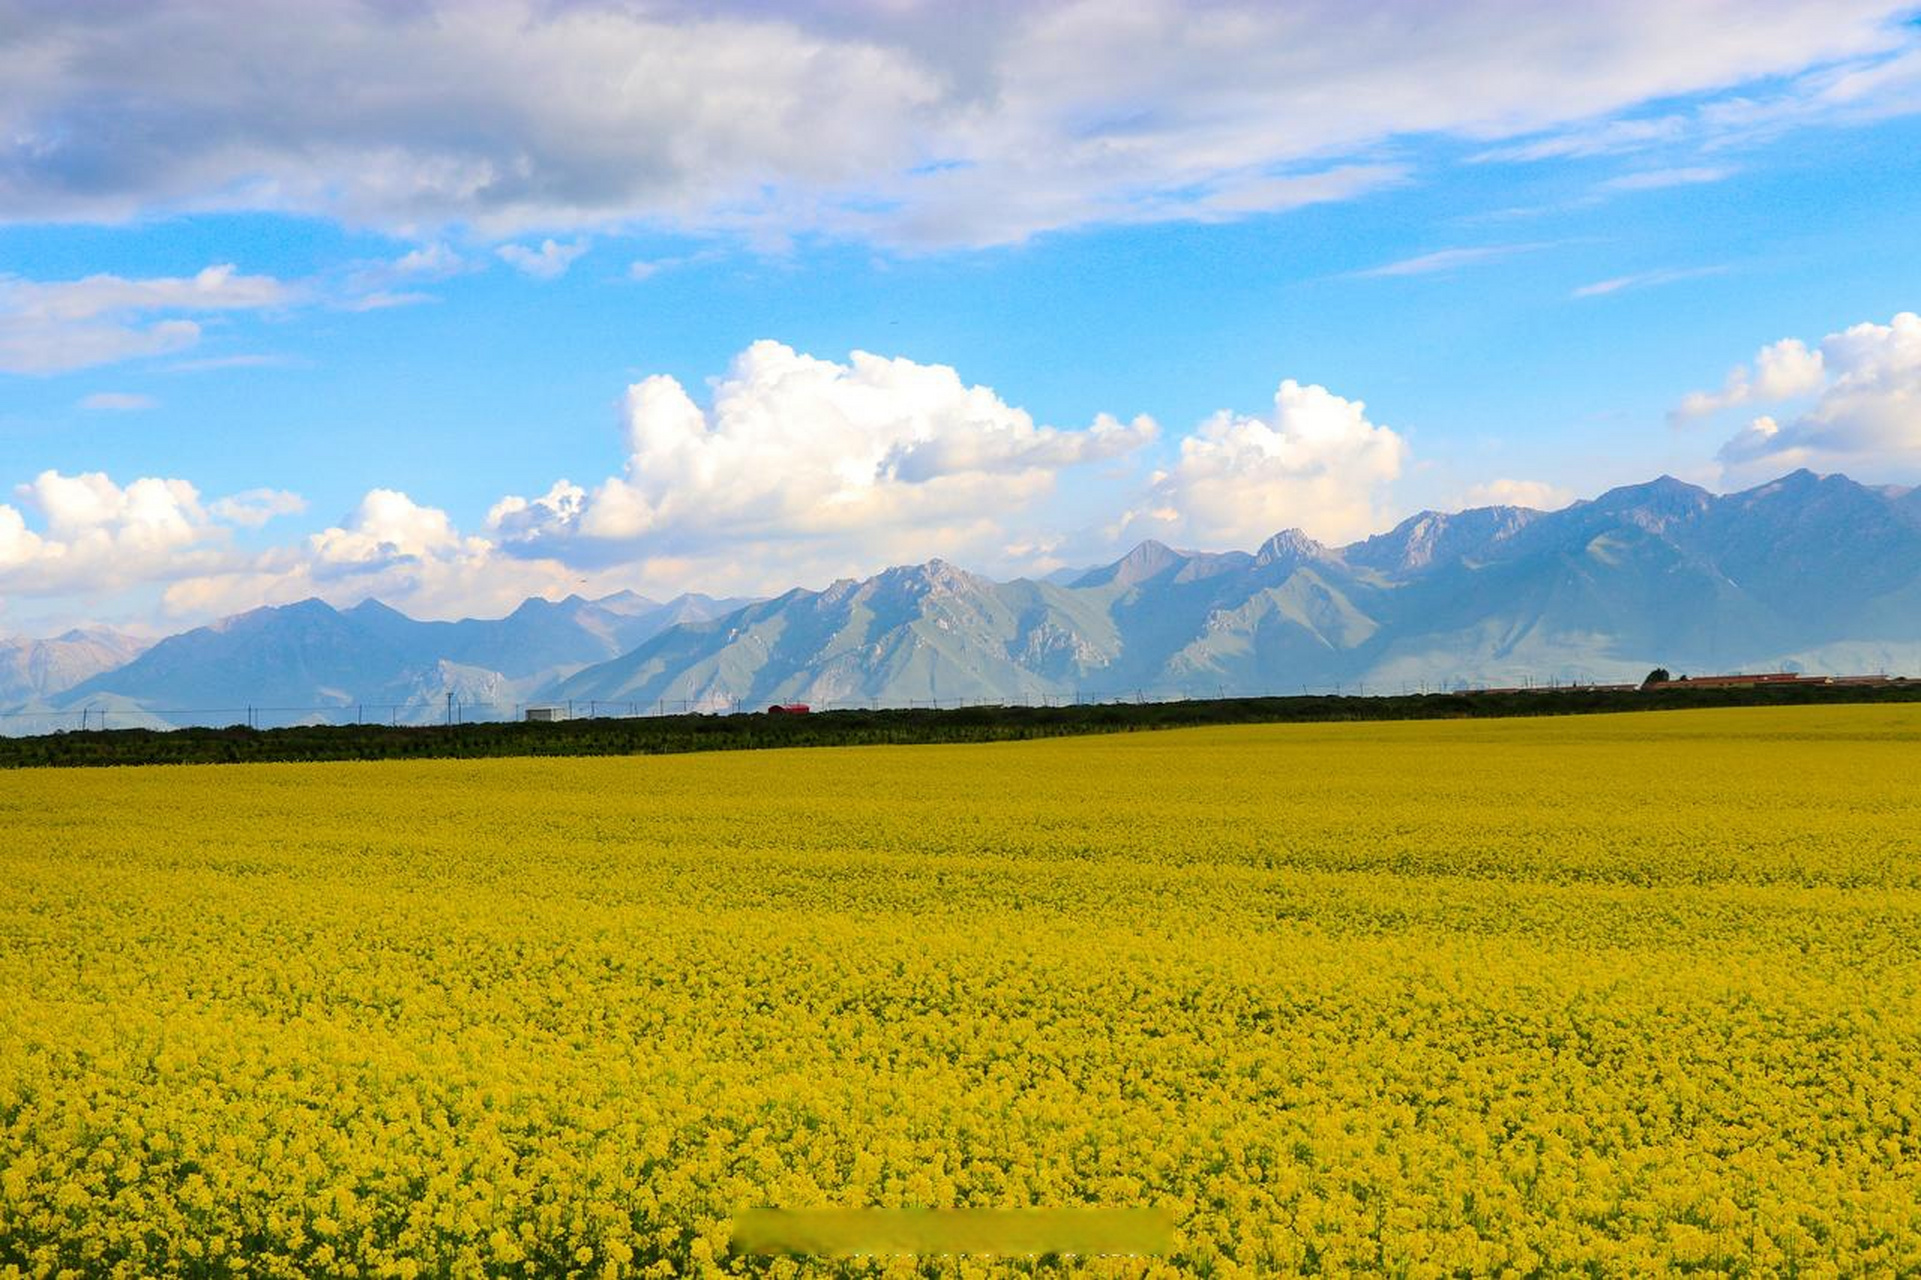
1854 92
376 286
161 513
1866 387
117 402
1781 371
1827 91
252 508
647 268
1538 494
549 262
96 534
209 364
390 548
1760 439
1316 463
796 470
1660 179
432 261
38 347
801 470
866 460
19 545
216 288
1613 284
386 299
910 123
1644 280
389 527
56 326
1451 260
1593 139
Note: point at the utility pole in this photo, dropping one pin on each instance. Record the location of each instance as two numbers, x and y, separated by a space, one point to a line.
450 707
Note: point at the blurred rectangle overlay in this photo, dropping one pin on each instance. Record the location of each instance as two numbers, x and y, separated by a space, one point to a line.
845 1233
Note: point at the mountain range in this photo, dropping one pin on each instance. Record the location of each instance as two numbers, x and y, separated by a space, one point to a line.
310 660
31 669
1809 572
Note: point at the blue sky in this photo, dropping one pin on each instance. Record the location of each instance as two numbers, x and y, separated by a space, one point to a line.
467 303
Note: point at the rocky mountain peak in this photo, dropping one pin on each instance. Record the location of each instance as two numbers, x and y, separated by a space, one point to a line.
1292 545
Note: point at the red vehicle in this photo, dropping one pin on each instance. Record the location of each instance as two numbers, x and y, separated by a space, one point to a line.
789 709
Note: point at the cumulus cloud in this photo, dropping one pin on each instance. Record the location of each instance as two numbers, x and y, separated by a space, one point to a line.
1865 384
798 469
90 534
56 326
19 545
389 528
390 548
548 262
795 447
96 534
1315 463
154 513
912 123
791 469
1781 371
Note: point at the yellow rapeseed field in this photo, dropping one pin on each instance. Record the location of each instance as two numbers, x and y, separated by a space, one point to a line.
1617 994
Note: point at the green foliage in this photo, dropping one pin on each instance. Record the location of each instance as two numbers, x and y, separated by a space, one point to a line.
672 735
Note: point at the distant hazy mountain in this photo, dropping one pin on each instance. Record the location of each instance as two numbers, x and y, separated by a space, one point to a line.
33 669
313 655
1816 573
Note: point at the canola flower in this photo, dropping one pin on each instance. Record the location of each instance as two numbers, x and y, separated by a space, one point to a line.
1618 995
